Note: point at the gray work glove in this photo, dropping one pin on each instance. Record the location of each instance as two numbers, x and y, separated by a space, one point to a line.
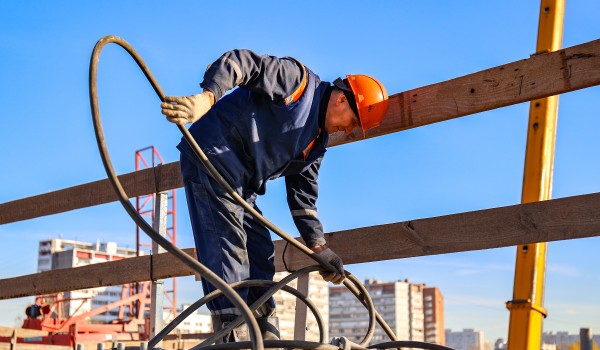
187 109
338 276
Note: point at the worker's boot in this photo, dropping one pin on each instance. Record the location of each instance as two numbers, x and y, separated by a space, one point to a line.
269 328
239 333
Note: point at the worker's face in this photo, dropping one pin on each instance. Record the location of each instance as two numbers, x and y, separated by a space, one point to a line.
340 116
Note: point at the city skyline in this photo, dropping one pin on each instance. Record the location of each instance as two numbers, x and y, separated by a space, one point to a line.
550 337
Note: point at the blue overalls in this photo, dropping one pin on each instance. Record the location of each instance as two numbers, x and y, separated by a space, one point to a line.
250 139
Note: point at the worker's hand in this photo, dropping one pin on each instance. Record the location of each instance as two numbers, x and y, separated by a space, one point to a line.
187 109
328 255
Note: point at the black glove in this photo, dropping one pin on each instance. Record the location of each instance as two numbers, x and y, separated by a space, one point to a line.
337 276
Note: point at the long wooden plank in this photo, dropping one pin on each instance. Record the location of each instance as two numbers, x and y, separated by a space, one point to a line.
21 332
135 269
161 178
22 346
547 221
543 75
558 219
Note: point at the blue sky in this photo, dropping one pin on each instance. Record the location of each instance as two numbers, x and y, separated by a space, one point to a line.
471 163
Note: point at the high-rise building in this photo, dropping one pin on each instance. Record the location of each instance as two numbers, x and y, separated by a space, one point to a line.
399 303
318 293
433 306
60 254
467 339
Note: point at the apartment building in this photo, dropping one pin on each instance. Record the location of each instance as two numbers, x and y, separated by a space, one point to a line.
61 253
433 306
400 304
467 339
318 293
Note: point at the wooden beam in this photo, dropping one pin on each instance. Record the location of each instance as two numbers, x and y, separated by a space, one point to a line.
543 75
139 183
21 332
554 220
24 346
135 269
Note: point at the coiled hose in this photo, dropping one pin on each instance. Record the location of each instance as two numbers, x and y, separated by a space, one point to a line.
223 288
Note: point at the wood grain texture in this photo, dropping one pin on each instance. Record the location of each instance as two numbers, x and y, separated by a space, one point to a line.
554 220
113 273
161 178
540 76
543 75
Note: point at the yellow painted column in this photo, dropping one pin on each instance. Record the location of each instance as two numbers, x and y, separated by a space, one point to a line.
526 307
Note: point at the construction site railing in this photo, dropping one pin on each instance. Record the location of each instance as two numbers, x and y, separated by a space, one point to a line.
539 76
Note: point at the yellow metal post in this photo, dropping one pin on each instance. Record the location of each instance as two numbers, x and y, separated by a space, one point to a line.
526 307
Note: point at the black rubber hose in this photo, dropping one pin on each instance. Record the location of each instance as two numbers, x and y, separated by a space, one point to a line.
351 279
263 298
323 332
409 344
204 272
276 344
124 199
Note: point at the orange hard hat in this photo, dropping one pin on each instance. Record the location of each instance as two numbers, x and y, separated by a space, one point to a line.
371 99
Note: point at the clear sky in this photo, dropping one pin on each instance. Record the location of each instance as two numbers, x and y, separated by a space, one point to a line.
471 163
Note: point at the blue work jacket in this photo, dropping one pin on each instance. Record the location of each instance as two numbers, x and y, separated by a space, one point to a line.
258 133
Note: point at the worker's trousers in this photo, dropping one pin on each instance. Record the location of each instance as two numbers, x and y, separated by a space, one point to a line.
229 241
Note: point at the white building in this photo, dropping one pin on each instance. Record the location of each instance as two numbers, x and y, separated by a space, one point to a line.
318 293
562 340
399 303
467 339
196 323
60 254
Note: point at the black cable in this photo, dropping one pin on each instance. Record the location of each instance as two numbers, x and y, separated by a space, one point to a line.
283 258
409 344
257 342
276 344
124 199
275 286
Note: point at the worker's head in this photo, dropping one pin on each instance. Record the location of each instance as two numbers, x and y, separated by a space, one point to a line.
358 100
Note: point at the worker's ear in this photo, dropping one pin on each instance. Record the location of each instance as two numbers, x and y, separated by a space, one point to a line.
341 98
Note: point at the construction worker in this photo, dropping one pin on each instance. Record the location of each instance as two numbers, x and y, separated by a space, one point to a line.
276 123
